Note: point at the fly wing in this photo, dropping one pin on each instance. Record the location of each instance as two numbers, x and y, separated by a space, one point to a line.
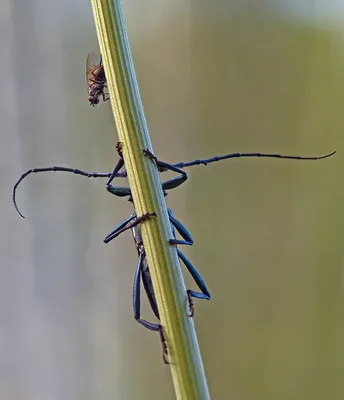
93 61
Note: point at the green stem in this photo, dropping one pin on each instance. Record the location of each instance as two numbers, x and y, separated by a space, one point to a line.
184 354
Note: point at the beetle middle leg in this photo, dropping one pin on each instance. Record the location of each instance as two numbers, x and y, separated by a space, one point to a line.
181 230
127 224
205 295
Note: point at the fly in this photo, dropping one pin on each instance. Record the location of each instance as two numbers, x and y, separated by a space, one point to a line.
95 77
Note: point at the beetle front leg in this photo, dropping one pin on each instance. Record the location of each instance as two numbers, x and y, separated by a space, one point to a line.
117 168
164 166
120 191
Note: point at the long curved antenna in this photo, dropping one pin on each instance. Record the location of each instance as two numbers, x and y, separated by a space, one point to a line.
60 169
178 165
237 155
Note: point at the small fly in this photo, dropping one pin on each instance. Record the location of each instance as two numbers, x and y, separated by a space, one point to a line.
95 77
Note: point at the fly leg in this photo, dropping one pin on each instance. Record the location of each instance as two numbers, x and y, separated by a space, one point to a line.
103 93
96 80
104 96
129 223
205 295
137 310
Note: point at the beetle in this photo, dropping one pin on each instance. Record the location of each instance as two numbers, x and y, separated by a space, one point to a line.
133 222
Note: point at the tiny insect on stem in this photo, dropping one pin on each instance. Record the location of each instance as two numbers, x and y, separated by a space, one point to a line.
95 77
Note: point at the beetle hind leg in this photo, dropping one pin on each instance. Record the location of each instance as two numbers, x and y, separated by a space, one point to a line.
137 311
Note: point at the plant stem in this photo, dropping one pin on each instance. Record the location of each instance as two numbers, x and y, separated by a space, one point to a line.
184 354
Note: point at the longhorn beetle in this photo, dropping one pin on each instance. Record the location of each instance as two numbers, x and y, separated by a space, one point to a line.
133 222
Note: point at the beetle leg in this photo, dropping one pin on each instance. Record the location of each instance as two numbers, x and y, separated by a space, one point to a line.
137 310
163 166
118 167
181 230
205 295
120 227
128 225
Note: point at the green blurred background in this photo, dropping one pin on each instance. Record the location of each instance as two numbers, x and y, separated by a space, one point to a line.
215 77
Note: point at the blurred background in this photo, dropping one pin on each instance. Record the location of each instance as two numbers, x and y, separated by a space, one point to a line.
215 77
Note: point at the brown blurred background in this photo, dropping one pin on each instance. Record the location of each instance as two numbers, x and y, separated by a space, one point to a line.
215 77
